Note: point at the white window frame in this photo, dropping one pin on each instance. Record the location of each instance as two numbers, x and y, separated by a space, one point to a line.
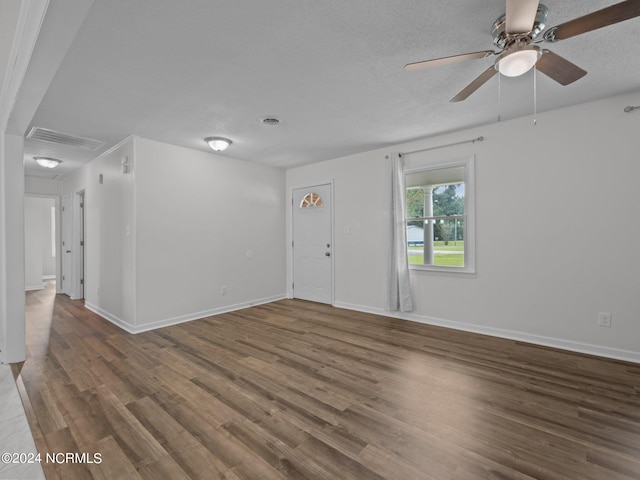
469 215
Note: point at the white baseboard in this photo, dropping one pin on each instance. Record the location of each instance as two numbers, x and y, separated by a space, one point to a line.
608 352
30 288
109 317
167 322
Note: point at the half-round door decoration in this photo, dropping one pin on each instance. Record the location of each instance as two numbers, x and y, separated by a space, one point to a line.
311 200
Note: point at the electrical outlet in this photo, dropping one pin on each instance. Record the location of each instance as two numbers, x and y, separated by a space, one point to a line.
604 319
223 289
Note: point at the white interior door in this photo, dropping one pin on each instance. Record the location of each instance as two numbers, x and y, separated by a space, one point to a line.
80 246
312 244
67 229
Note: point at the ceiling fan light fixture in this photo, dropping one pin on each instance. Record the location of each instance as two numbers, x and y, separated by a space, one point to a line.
47 162
218 144
518 62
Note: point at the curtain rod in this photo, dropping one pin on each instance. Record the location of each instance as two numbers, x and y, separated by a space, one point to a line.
473 140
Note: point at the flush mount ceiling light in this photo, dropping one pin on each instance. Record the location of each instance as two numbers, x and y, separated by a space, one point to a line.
47 162
218 144
514 63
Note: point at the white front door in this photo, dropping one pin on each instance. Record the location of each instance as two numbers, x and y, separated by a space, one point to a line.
312 244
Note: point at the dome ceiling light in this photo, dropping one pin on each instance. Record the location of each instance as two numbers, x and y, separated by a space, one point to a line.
47 162
518 61
218 144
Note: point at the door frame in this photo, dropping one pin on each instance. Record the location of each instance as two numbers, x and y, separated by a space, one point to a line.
332 236
66 240
79 242
74 233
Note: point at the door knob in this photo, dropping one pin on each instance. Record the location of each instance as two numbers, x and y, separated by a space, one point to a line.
68 251
327 254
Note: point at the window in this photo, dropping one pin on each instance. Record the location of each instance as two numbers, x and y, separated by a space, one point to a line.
311 200
440 217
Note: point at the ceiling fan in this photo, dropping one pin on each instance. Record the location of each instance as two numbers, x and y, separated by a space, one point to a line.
514 33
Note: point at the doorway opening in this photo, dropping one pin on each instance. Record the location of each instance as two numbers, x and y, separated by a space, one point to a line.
41 245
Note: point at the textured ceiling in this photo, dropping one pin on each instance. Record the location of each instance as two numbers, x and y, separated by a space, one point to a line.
178 71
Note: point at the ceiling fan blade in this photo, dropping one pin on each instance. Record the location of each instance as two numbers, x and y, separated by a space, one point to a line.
436 62
558 68
520 15
475 85
598 19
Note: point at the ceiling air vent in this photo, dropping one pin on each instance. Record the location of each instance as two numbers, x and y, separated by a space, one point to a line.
270 121
51 136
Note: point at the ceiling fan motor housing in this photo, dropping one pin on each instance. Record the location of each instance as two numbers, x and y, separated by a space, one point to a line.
502 40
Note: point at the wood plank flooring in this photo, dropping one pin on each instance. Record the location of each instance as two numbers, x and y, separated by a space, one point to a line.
297 390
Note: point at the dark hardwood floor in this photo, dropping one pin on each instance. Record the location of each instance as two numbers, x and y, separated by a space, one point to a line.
294 390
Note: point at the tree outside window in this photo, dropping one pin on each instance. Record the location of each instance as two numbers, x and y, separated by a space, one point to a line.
437 217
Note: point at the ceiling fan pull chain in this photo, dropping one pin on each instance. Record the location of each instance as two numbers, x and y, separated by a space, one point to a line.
535 96
499 97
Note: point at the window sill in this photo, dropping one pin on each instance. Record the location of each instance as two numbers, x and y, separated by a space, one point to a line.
446 270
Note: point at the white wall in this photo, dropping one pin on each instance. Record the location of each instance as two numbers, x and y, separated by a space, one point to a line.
163 239
38 229
42 186
12 297
556 204
109 243
205 221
